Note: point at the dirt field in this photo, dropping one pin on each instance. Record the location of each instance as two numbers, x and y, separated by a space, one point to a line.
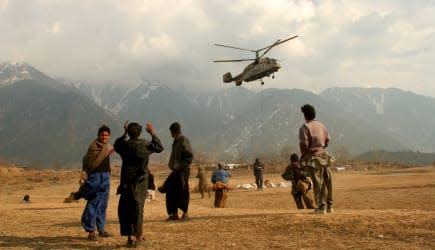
388 209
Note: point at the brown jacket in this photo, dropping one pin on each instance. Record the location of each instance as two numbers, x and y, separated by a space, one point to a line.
202 177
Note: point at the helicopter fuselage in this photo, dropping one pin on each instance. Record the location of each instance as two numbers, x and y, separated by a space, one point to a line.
265 67
257 70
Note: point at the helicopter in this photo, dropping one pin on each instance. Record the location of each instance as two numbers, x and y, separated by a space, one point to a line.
259 68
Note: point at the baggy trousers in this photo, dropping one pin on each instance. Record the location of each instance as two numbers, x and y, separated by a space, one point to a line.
131 207
202 188
96 190
299 196
220 198
177 193
259 180
322 185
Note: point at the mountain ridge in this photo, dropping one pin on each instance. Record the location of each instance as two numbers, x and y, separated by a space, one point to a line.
232 123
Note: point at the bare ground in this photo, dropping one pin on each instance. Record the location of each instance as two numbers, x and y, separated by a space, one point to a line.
373 210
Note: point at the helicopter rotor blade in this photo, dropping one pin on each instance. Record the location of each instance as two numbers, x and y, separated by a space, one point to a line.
236 60
275 44
270 47
226 46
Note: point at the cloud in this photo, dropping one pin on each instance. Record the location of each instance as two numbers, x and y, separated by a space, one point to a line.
354 43
56 28
152 47
3 4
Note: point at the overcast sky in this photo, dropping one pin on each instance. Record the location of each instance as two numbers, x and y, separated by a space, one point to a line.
387 43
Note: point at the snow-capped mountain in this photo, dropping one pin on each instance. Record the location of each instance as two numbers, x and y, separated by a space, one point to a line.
407 117
229 102
46 123
272 120
159 104
109 96
236 121
11 72
37 114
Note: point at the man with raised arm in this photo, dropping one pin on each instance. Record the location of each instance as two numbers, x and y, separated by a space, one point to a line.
133 186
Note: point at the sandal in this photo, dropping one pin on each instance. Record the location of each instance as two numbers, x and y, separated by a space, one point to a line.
104 234
130 243
92 236
172 218
140 241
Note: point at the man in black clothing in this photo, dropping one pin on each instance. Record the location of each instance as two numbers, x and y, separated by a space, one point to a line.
176 186
258 173
134 178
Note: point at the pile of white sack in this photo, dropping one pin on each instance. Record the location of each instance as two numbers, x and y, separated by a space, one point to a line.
267 184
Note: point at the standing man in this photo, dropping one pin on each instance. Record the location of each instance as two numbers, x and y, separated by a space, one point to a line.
96 184
313 139
301 185
202 184
258 173
220 186
176 185
134 178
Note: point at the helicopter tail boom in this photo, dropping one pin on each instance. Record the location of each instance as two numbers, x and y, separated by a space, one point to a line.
227 77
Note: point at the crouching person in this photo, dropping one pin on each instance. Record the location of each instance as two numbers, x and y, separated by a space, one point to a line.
220 186
301 185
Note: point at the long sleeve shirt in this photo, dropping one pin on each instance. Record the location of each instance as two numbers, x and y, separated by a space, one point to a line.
220 175
313 138
135 156
181 155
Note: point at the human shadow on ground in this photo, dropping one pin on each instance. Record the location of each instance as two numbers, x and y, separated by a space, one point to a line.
77 223
232 216
55 242
43 208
